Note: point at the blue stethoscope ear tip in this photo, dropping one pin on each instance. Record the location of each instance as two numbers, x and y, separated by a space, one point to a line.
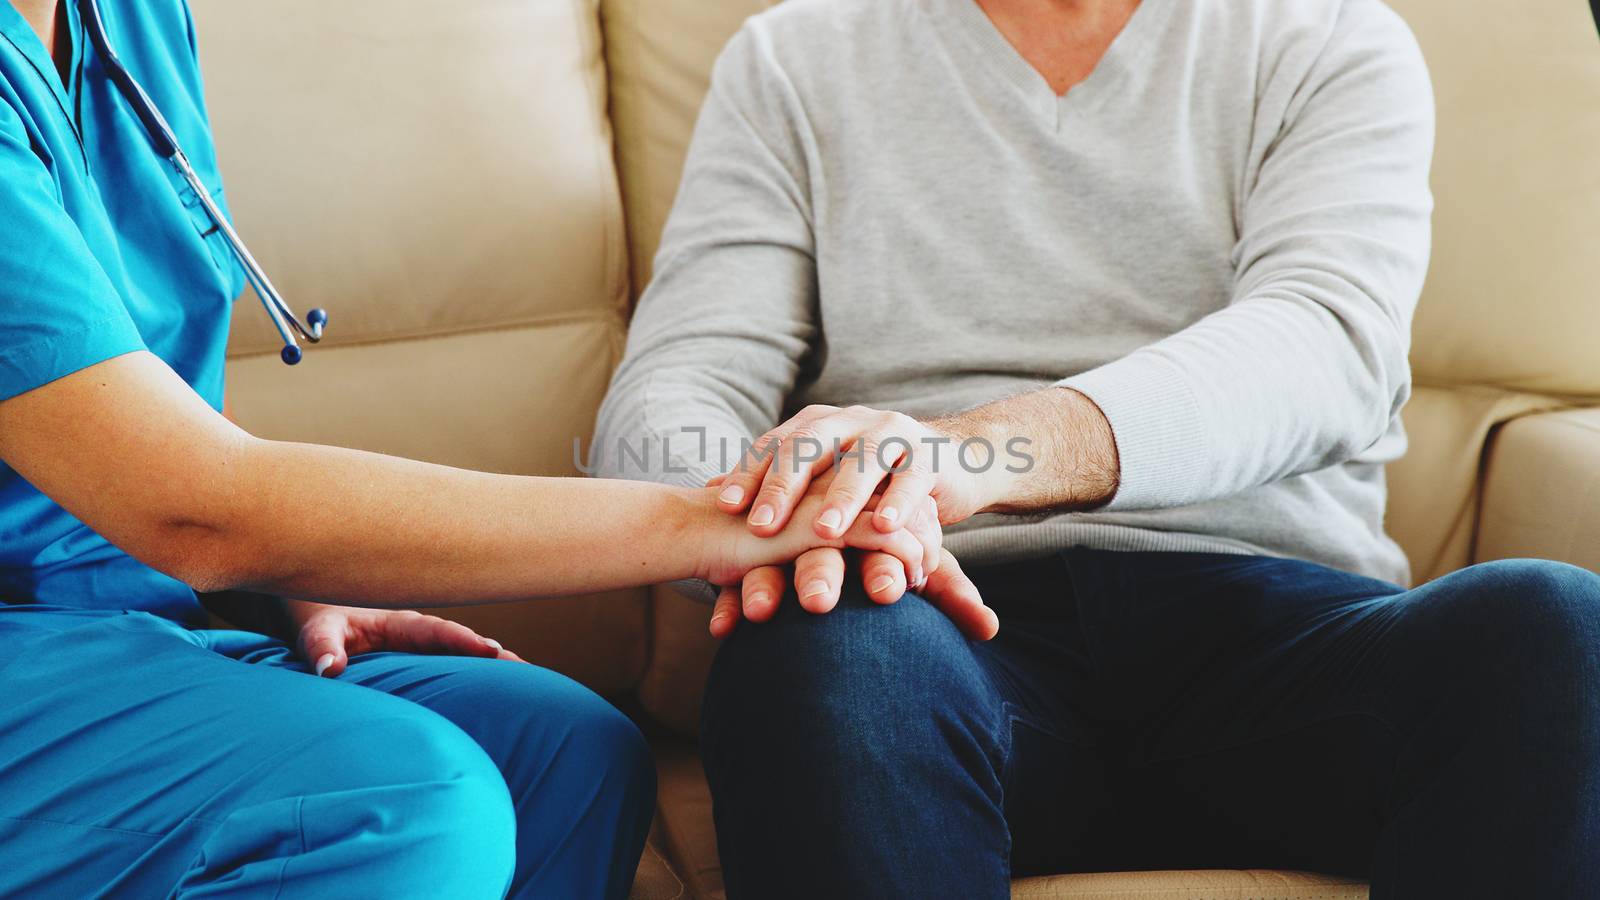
291 355
317 317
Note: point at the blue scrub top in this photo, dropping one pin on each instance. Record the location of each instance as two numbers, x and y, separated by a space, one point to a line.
104 250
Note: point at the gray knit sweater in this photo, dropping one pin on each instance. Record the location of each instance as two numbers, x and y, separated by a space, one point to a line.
1219 237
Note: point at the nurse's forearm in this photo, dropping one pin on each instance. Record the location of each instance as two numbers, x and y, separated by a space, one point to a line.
363 529
371 529
127 447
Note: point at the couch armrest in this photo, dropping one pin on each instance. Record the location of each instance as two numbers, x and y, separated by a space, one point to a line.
1541 495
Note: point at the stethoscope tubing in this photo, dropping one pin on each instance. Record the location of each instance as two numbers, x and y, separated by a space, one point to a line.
165 144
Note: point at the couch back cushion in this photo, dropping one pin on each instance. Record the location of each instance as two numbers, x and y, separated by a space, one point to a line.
440 178
1513 295
659 53
1511 308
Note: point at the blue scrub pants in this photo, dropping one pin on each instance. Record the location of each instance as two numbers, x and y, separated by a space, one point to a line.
142 759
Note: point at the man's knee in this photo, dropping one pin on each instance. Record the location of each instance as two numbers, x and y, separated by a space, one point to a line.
847 683
1528 628
1545 609
818 728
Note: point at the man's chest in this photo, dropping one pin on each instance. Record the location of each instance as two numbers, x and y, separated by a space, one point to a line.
1089 225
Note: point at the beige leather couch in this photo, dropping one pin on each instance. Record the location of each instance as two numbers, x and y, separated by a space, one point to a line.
474 190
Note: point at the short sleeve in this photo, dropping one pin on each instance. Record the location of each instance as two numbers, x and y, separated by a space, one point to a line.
59 312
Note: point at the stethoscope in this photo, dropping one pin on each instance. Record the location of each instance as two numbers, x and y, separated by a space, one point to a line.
166 146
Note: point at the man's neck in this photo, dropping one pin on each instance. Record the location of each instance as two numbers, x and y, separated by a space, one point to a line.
1062 39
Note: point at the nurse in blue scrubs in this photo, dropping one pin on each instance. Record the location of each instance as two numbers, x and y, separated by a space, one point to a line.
144 755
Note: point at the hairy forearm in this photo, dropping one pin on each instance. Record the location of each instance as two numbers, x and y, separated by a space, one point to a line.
1070 452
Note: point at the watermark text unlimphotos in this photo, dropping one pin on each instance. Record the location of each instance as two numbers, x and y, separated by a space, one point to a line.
697 452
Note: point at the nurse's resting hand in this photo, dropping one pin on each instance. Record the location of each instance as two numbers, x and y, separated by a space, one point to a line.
329 635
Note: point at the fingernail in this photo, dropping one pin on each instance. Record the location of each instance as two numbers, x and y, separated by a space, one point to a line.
831 519
759 599
763 515
494 644
889 513
882 584
816 588
323 662
731 495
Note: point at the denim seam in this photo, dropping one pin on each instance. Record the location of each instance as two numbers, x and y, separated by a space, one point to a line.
1004 742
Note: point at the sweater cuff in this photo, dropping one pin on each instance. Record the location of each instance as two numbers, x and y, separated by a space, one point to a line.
1156 423
697 589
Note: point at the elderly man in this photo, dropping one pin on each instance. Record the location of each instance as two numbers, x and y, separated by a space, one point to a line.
1145 274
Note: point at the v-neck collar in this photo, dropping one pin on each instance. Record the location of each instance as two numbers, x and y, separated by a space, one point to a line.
20 35
1121 58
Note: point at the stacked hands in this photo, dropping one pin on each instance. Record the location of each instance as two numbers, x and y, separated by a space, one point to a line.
878 486
883 499
873 490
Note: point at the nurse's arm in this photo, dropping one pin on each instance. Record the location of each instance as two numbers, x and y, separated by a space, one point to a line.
132 451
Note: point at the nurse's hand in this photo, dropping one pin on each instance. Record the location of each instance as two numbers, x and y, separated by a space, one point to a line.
330 635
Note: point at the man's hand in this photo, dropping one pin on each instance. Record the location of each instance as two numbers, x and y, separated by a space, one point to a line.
948 589
330 635
818 576
1049 449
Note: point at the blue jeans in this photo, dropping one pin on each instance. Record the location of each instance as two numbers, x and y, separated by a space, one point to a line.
1169 710
141 759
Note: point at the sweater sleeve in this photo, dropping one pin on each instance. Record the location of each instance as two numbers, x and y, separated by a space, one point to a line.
721 333
1307 366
